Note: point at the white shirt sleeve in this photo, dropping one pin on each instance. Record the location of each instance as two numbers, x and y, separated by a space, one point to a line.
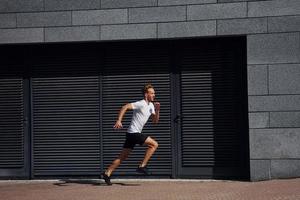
137 105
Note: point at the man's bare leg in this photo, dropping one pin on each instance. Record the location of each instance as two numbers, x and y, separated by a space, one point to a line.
152 146
123 156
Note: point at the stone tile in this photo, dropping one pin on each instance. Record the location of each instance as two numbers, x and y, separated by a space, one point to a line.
71 4
62 34
257 79
260 170
275 143
284 24
230 1
284 79
21 35
21 5
186 29
131 31
274 103
242 26
157 14
217 11
259 120
285 119
8 20
44 19
285 168
184 2
127 3
93 17
273 8
273 48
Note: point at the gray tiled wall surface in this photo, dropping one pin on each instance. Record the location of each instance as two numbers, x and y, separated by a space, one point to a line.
272 29
197 17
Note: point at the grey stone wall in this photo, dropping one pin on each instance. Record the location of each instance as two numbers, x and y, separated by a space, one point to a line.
272 28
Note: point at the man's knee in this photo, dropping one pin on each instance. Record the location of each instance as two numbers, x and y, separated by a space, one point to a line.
154 145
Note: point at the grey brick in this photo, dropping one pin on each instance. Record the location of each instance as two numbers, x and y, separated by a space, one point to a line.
260 170
257 79
273 8
284 24
186 29
71 4
259 120
184 2
157 14
274 103
114 16
242 26
285 119
217 11
21 5
127 3
131 31
44 19
230 1
284 79
21 35
285 168
60 34
273 48
7 20
274 143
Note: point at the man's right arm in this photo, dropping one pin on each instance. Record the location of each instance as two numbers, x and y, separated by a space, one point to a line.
122 112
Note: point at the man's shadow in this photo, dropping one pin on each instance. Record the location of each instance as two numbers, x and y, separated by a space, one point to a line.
67 182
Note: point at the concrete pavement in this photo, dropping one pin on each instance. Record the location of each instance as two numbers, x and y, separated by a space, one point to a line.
92 189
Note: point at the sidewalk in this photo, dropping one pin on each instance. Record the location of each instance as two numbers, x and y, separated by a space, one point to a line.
76 189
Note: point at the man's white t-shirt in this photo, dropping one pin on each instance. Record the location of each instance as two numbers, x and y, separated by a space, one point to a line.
141 113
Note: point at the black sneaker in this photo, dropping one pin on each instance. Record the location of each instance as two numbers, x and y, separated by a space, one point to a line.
143 170
106 178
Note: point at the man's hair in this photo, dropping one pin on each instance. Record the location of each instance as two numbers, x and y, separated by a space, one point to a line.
146 87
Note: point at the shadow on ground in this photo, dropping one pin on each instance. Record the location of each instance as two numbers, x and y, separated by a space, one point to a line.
67 182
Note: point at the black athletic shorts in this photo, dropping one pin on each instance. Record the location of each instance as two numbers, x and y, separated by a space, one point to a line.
134 138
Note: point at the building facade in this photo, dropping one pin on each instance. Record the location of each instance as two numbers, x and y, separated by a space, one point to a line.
227 73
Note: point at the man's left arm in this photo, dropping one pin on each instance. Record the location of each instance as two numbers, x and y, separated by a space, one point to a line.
155 117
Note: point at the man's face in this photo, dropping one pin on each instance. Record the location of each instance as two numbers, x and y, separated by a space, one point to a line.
150 95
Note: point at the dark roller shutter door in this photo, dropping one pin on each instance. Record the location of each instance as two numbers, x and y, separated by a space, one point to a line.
11 123
127 69
12 113
210 90
66 111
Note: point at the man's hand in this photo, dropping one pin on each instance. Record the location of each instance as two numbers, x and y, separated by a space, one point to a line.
155 117
157 106
118 125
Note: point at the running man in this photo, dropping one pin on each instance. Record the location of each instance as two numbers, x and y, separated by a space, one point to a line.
142 110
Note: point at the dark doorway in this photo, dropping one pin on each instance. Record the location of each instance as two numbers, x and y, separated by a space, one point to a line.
70 94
